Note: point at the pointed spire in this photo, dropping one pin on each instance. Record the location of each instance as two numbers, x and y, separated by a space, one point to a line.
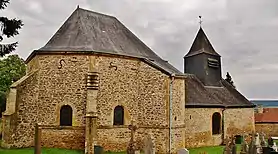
77 6
201 44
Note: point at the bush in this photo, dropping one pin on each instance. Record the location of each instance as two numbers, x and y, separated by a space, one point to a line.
2 102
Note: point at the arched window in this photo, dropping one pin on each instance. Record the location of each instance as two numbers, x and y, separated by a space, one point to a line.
118 115
216 123
66 116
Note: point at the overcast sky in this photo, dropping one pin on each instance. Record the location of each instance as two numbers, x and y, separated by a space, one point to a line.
243 32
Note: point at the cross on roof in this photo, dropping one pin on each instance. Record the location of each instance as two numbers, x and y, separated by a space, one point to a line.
200 22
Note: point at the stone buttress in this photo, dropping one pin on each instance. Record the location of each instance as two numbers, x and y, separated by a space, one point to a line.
91 107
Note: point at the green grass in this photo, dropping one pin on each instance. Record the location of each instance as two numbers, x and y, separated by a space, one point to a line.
44 151
47 151
210 150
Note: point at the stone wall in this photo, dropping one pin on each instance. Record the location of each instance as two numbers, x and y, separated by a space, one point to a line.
141 89
269 129
239 121
198 123
63 137
62 81
198 127
21 114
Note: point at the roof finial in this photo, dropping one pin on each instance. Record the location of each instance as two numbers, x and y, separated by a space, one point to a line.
78 6
200 22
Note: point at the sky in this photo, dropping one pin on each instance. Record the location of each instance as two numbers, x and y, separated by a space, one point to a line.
244 33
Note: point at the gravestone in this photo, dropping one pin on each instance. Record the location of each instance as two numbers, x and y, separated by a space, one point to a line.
137 152
274 147
252 147
149 145
263 141
183 151
244 146
258 144
227 148
270 142
233 146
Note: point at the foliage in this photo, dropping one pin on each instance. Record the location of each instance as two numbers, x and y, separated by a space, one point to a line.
12 68
9 28
229 79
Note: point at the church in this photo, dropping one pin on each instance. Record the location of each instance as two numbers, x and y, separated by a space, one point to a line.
94 78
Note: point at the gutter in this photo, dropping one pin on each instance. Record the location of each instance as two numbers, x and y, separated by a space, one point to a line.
223 128
170 111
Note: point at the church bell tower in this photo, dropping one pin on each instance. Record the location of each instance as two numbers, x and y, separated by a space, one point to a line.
203 61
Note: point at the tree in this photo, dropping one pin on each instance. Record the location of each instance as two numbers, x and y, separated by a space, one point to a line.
12 68
229 79
9 28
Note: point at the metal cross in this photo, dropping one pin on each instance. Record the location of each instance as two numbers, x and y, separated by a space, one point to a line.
200 22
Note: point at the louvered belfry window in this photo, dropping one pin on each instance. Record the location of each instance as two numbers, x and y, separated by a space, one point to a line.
213 63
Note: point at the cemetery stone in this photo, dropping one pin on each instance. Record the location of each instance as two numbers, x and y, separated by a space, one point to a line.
183 151
149 145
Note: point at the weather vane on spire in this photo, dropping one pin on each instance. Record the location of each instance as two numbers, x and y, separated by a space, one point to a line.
200 22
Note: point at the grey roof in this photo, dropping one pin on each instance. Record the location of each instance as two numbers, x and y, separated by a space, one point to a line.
88 31
199 95
201 44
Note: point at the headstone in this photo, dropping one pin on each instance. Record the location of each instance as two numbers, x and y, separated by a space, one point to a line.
137 152
227 148
263 141
274 147
183 151
252 147
149 145
258 144
233 146
244 146
270 142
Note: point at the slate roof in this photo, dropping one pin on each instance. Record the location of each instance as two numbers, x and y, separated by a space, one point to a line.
269 115
88 31
199 95
92 32
201 44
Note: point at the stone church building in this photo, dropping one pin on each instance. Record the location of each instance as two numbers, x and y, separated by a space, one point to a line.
94 78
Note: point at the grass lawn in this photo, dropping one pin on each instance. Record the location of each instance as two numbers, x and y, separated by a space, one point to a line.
210 150
46 151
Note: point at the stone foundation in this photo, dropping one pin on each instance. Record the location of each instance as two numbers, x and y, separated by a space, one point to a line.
65 137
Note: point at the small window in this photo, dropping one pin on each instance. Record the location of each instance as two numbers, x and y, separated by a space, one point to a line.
118 115
66 116
216 123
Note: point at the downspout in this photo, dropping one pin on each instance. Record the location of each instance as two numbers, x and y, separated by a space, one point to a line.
170 111
223 133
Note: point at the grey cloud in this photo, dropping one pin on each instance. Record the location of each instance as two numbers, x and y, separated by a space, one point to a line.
243 32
